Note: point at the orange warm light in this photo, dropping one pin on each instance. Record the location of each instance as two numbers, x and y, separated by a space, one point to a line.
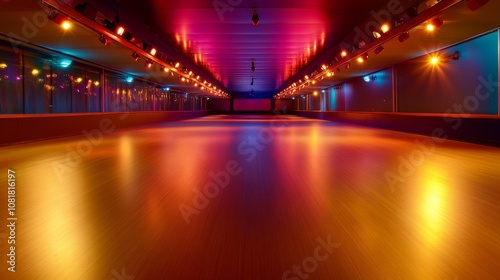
434 60
120 31
385 27
66 24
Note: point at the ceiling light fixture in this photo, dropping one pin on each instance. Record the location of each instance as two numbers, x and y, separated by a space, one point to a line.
120 30
105 41
434 24
378 50
363 57
255 17
404 36
369 78
58 18
136 56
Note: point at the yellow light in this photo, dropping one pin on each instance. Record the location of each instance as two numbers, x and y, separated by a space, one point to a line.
3 65
343 53
165 70
323 67
360 59
385 27
35 72
96 83
66 25
177 65
431 27
79 80
315 93
120 31
153 51
434 60
306 77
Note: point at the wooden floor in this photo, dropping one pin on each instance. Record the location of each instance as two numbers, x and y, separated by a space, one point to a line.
253 197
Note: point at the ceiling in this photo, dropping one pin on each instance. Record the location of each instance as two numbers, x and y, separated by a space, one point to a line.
221 36
219 40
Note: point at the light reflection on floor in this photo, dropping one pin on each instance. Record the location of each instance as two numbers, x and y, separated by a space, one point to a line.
114 211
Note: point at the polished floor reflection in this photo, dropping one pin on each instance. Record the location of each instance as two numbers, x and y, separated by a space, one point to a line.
253 197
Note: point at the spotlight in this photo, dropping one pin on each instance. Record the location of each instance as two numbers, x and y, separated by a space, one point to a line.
475 4
120 30
66 25
455 56
435 23
369 78
59 19
385 28
434 60
105 41
136 56
362 58
255 17
323 67
164 69
343 53
62 62
129 79
361 44
177 65
378 50
404 36
152 51
315 93
148 64
376 34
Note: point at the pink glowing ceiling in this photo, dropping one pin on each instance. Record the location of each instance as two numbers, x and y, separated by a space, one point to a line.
219 35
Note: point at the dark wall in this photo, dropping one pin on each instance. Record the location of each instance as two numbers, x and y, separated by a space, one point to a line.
285 105
373 96
29 128
218 104
252 104
426 88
